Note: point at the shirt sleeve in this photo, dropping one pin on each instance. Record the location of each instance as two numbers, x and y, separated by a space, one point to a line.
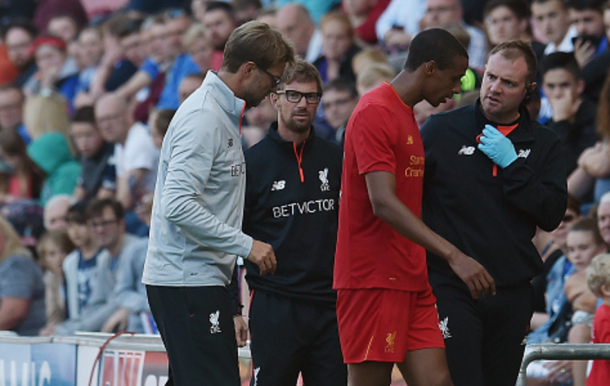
18 278
373 137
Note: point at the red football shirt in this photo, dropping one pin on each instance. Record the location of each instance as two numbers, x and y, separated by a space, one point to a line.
382 135
600 372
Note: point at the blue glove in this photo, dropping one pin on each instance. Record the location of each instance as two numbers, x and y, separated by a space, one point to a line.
497 147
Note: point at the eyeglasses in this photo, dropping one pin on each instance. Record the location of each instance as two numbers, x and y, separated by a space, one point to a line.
276 80
292 96
101 224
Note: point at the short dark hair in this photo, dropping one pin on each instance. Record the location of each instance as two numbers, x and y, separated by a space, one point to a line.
560 60
303 72
519 7
85 114
13 87
342 84
221 6
513 49
588 224
77 213
563 3
434 44
97 206
583 5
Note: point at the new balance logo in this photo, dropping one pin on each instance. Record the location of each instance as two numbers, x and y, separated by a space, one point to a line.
278 185
466 150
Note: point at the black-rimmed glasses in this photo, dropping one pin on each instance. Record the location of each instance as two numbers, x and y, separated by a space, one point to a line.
292 96
276 80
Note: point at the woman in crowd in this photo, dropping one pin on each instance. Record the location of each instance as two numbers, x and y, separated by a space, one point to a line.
22 179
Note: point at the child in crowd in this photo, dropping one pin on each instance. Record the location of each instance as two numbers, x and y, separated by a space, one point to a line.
81 266
598 280
52 250
584 242
158 124
98 176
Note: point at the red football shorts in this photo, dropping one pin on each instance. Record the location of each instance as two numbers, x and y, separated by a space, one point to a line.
382 325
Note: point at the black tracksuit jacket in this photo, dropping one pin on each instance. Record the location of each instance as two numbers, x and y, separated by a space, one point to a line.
491 218
296 213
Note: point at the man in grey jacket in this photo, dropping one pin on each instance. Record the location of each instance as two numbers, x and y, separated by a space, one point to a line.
196 222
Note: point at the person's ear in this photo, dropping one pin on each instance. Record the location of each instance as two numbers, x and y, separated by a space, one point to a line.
275 99
430 67
247 69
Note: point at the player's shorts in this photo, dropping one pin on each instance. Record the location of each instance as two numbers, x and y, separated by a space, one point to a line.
382 325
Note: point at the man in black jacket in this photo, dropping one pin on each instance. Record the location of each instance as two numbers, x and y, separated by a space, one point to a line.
492 176
292 197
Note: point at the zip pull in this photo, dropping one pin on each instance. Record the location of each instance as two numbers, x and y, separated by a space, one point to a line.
299 156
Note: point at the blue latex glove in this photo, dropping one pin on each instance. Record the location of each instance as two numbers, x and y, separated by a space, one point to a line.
497 147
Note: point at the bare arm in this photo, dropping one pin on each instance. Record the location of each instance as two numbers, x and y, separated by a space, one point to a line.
386 205
138 81
12 312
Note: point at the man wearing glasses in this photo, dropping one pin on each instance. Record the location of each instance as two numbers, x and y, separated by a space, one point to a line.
198 209
292 197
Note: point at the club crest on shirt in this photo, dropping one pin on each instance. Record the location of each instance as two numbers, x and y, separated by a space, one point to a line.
323 175
215 321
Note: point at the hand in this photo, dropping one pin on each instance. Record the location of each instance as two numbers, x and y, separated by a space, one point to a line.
559 371
583 52
48 330
241 330
397 38
479 281
565 106
497 147
117 321
262 255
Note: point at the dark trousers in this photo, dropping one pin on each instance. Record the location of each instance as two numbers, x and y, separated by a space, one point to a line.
484 338
196 325
289 337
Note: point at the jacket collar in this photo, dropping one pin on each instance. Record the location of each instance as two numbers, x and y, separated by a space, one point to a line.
223 94
275 137
523 133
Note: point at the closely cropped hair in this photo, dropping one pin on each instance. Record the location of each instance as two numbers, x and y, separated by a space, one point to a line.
583 5
85 114
97 206
588 225
434 44
341 18
342 84
257 42
513 49
303 72
519 7
221 5
598 273
562 2
560 60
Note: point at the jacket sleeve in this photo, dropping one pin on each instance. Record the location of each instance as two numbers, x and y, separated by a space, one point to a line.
541 194
130 293
194 151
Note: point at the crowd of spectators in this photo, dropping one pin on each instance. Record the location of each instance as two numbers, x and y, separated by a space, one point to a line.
88 89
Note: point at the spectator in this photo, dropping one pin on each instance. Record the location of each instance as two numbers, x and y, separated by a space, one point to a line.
507 20
105 220
259 119
373 76
219 21
246 10
135 155
18 38
399 23
268 16
11 110
48 9
23 179
595 72
551 19
363 15
55 212
21 285
316 8
294 21
55 71
338 48
47 114
53 247
440 13
158 125
573 116
598 280
338 101
367 56
98 177
52 155
66 28
198 44
586 16
188 85
88 55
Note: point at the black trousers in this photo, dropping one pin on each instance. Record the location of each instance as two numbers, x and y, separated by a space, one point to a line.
289 337
196 325
484 338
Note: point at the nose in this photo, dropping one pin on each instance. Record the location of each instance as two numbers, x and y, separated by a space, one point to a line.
495 86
